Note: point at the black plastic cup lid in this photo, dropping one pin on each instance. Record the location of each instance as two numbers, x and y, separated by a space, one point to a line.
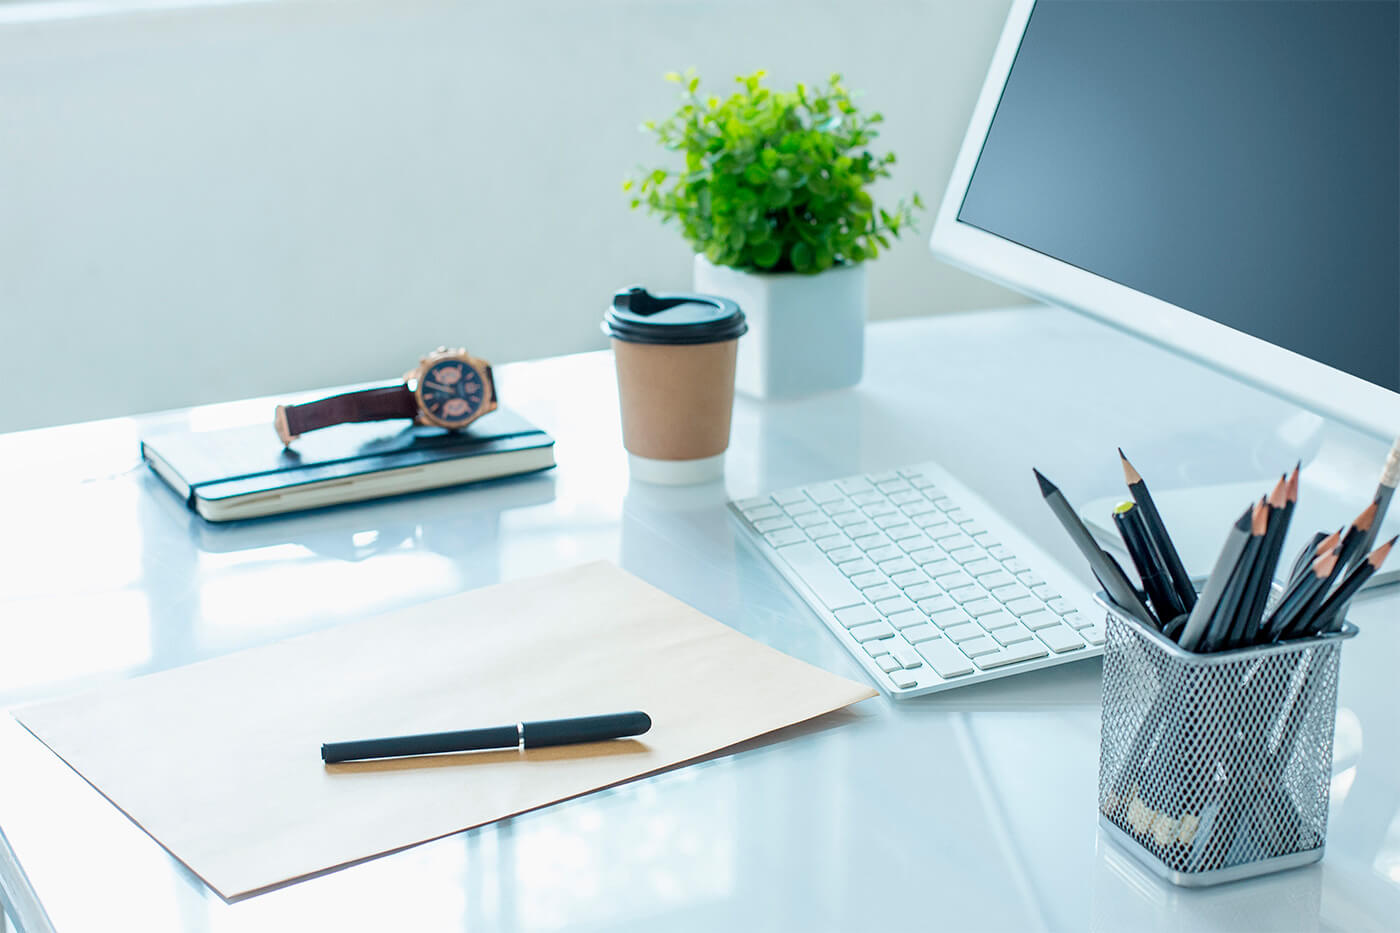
637 316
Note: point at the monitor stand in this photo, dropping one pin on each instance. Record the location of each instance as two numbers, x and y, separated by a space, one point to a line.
1338 480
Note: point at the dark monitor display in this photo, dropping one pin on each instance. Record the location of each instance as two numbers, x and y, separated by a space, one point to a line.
1236 158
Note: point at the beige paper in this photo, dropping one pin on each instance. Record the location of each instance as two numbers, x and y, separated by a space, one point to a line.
220 761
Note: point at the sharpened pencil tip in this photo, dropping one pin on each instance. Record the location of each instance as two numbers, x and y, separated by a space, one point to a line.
1130 475
1322 567
1279 494
1046 487
1367 517
1293 483
1379 555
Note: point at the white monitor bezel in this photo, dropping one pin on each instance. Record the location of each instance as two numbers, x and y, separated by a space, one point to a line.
1329 392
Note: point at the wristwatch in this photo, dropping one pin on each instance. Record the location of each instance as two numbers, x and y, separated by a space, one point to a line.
448 388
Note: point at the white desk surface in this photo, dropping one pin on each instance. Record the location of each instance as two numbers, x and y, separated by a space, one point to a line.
972 809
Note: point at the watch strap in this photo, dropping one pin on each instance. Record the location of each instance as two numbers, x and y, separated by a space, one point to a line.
381 404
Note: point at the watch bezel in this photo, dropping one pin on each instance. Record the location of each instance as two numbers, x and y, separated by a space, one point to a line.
478 365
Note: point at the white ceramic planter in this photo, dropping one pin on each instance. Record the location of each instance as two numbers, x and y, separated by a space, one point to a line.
806 332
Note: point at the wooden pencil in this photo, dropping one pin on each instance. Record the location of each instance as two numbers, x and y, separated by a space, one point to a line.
1157 532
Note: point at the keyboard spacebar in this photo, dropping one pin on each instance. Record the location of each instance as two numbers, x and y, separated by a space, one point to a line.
830 584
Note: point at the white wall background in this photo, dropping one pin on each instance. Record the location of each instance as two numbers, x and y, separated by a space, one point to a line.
222 201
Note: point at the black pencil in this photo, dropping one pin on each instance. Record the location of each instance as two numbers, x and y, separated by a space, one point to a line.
1116 583
1199 619
1280 511
1306 555
1157 534
1221 625
1330 614
1284 623
1156 581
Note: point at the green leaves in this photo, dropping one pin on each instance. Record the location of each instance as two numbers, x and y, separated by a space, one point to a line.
773 180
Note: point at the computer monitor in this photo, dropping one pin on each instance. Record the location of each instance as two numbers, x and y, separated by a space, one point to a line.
1221 178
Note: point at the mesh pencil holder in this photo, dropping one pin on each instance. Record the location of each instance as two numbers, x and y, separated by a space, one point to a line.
1214 767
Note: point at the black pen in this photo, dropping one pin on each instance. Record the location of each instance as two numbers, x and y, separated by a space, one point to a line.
516 735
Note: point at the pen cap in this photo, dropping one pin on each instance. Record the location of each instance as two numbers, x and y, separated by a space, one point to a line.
585 729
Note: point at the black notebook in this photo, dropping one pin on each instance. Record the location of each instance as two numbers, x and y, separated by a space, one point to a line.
246 472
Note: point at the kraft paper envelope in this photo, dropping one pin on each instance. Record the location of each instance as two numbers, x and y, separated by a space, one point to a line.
220 761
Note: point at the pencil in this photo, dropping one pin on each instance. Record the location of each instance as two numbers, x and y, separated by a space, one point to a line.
1219 578
1116 583
1350 544
1354 541
1306 555
1284 625
1156 581
1289 602
1157 534
1231 602
1385 491
1280 511
1330 614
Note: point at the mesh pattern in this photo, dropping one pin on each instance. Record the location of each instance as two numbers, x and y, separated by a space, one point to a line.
1213 761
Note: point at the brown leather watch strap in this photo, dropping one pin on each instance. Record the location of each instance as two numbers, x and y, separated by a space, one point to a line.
379 404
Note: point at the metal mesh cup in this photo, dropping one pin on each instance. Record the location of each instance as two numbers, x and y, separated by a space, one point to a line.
1214 767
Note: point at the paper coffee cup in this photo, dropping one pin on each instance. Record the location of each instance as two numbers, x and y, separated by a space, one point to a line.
675 358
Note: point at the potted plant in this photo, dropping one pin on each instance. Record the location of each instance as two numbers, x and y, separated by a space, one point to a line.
773 197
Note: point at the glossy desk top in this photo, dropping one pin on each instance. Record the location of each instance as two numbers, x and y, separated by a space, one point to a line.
971 809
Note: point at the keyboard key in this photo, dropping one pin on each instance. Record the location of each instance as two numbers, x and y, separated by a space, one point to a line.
1061 638
873 578
943 618
930 520
966 555
945 658
927 555
967 594
1093 634
908 579
890 521
870 542
1001 552
903 532
1016 565
907 656
857 615
871 631
868 497
879 646
841 555
831 542
917 479
1026 651
976 647
757 502
823 492
1009 593
773 524
982 567
925 590
964 632
1044 591
951 537
1078 620
998 579
884 476
882 509
883 591
939 568
887 484
918 507
918 541
884 552
1059 604
907 619
955 580
1035 621
903 679
897 565
859 530
787 497
893 605
765 511
784 537
920 633
805 507
853 484
904 496
808 519
959 516
984 538
1014 634
845 519
981 607
852 567
821 530
997 620
1024 605
888 663
827 583
1029 578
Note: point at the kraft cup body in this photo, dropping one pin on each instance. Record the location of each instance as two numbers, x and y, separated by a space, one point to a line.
677 402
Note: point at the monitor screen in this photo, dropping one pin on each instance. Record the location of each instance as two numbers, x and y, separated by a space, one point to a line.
1240 160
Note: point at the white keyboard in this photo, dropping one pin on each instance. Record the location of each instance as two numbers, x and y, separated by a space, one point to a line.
922 581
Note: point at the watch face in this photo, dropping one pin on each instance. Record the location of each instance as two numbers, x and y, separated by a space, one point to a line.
452 392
